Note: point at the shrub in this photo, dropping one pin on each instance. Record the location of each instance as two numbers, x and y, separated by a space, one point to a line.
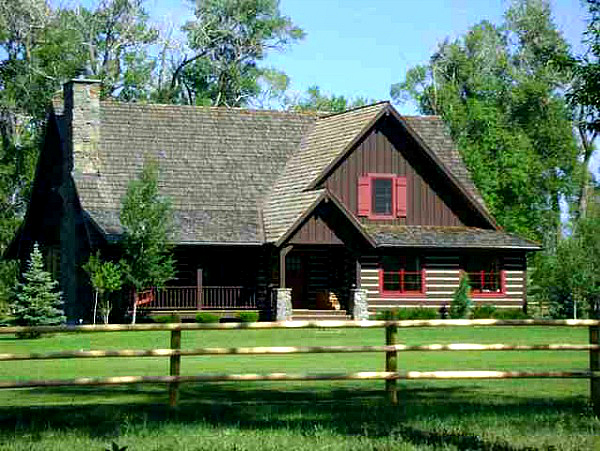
513 313
483 312
461 304
248 317
207 318
37 301
167 319
407 314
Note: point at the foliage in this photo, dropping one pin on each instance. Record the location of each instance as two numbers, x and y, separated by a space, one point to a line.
584 95
314 100
205 317
498 88
484 311
461 304
37 301
228 39
147 221
407 313
117 39
568 282
513 313
166 319
105 277
248 317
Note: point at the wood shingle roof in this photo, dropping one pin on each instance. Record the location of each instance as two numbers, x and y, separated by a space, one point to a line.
239 176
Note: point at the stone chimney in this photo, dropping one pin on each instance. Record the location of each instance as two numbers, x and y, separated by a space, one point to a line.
82 115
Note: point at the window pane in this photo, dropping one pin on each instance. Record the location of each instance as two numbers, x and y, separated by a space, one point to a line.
391 281
382 196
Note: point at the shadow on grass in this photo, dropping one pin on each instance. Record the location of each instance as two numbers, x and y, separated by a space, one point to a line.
345 411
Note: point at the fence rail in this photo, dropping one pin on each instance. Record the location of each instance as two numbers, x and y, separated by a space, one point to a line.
391 350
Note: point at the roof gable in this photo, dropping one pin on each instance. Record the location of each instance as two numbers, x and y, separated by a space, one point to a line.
431 136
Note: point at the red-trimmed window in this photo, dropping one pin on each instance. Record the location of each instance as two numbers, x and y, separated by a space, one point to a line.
382 196
486 276
401 275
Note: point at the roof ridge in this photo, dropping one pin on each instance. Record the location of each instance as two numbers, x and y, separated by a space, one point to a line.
112 102
355 109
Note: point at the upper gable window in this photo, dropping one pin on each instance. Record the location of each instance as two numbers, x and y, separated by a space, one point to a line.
382 196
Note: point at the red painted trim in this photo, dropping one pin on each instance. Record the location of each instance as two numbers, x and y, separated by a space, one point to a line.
412 293
499 294
395 210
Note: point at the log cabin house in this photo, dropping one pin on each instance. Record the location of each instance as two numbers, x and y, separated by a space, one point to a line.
292 214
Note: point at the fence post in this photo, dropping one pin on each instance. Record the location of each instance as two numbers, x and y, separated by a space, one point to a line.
595 366
391 363
174 367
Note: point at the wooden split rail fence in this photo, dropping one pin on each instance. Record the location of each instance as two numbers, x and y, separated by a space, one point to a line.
391 349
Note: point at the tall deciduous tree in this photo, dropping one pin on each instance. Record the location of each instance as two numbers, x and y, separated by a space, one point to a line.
498 88
227 40
147 221
585 98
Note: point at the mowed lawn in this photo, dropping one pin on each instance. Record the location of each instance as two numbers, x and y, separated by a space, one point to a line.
479 415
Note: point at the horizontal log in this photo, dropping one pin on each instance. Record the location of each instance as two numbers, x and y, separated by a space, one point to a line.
300 325
293 350
252 377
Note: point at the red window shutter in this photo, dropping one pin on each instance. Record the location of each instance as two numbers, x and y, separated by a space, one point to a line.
364 196
400 185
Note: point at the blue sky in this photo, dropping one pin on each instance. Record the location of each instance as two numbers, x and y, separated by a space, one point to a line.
360 47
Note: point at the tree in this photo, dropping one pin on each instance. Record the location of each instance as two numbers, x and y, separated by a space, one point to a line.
461 304
499 90
584 95
568 282
37 301
314 100
117 37
146 218
227 40
105 277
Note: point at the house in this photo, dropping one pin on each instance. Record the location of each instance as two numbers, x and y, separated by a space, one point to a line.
282 212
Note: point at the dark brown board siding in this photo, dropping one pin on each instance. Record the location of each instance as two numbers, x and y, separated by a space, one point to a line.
387 149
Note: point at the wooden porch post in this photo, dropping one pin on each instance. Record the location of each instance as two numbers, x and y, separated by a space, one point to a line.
282 255
199 288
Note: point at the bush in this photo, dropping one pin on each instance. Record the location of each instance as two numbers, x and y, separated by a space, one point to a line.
483 312
513 313
207 318
401 314
248 317
461 304
167 319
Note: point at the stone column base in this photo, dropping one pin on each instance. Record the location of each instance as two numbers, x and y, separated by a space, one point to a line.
283 309
360 310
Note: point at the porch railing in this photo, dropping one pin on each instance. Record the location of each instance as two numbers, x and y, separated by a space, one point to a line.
206 297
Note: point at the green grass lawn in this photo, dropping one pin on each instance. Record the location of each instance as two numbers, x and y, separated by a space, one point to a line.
480 415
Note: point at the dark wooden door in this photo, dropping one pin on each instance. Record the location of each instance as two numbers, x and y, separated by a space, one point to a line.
295 278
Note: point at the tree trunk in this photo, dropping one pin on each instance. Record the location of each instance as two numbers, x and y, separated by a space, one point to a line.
95 307
135 299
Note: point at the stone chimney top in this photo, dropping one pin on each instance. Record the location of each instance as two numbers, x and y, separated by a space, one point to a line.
82 115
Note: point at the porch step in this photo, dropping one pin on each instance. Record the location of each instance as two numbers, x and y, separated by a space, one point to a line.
319 315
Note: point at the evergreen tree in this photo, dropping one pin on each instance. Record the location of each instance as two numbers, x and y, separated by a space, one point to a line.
461 304
37 300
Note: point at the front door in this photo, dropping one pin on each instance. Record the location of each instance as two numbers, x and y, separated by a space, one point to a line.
295 278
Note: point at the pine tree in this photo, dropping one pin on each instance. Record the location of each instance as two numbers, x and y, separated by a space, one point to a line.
461 304
37 300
